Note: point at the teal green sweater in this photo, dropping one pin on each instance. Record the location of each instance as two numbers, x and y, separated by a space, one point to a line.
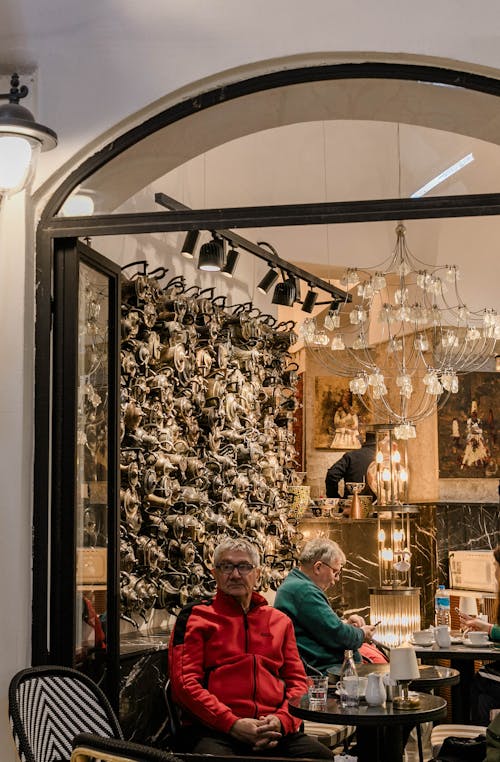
322 637
495 633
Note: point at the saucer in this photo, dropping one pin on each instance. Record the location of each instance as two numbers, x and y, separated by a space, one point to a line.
468 644
456 641
422 645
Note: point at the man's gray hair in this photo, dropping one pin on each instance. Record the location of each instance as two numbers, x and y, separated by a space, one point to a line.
230 544
322 549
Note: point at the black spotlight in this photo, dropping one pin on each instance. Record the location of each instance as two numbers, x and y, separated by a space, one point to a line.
211 257
267 281
309 301
284 293
189 244
231 261
296 284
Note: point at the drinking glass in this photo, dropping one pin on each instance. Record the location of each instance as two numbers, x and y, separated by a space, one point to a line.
317 689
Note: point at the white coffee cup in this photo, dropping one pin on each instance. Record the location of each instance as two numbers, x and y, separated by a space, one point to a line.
477 638
442 636
423 638
348 689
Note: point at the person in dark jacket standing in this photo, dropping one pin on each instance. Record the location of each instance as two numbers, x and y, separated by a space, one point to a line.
234 664
352 467
322 637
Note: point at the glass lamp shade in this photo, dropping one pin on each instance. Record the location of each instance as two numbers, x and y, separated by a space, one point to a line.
398 612
18 158
21 140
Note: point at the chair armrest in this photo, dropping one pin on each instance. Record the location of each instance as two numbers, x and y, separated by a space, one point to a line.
87 747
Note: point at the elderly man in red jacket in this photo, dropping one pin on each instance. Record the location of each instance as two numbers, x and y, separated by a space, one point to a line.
234 664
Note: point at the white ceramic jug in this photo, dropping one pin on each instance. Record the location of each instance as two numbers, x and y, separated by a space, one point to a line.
375 690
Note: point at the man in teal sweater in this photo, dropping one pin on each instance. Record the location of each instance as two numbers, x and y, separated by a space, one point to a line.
322 637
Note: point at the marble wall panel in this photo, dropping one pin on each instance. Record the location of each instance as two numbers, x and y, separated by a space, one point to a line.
465 526
358 540
142 705
439 529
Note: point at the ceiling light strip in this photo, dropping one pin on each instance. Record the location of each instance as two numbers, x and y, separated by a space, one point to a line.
443 176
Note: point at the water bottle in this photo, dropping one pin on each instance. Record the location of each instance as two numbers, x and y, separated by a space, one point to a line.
348 668
442 607
349 681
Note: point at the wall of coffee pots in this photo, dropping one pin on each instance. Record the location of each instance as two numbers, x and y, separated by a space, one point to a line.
207 446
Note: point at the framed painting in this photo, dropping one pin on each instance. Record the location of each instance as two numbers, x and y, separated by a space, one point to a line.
338 415
467 429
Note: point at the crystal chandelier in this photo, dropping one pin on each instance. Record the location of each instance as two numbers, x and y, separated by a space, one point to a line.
403 336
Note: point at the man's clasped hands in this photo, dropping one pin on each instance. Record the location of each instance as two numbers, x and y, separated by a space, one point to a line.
262 733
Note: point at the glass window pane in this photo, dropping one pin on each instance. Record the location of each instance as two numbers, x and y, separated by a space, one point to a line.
92 459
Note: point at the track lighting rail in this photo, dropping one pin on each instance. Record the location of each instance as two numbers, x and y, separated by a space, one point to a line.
268 256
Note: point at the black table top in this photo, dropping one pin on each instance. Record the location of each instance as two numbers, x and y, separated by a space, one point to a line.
431 676
458 651
431 708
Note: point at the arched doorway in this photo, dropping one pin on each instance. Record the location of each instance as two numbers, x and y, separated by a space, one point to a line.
289 97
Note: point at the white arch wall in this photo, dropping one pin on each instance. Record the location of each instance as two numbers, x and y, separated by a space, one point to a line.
96 67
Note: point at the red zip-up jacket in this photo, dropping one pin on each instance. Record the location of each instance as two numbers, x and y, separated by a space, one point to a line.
225 664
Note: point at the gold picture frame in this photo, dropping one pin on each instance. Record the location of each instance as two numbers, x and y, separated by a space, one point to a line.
339 417
469 446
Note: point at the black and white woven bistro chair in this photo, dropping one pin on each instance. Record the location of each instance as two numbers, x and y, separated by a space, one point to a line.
50 705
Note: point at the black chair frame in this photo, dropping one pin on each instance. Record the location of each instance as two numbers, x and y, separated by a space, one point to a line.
33 673
88 747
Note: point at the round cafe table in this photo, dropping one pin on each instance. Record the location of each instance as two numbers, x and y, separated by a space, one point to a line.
461 658
379 729
431 675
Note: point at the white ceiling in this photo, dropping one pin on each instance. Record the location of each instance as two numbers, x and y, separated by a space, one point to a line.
100 62
347 160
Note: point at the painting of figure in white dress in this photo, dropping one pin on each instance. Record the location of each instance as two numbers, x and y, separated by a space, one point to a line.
339 419
467 426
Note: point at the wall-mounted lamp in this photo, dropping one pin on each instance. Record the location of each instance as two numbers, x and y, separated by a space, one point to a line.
21 140
309 301
211 256
189 244
231 261
267 281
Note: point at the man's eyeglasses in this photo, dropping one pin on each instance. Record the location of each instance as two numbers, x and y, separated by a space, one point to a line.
336 572
226 567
